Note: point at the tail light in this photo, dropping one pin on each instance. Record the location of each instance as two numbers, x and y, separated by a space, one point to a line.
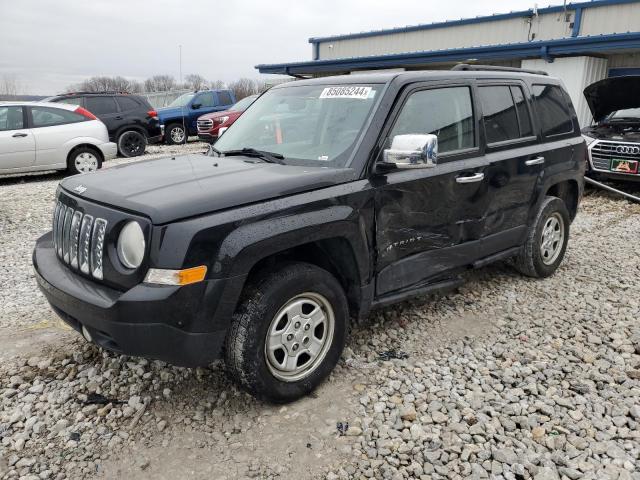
85 113
153 114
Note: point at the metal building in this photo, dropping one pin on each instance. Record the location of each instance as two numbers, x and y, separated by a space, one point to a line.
579 42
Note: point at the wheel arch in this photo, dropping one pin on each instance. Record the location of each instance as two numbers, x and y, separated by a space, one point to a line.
90 146
569 191
127 128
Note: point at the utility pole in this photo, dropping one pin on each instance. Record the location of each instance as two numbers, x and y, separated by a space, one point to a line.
180 49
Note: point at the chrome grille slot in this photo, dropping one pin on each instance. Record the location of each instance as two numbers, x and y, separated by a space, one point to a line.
603 151
205 124
79 239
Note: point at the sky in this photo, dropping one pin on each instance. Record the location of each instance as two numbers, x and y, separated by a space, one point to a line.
46 45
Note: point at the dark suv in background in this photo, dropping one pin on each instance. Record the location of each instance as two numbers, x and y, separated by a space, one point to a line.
131 121
324 200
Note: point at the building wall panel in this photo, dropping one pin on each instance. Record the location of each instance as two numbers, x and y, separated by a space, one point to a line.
611 19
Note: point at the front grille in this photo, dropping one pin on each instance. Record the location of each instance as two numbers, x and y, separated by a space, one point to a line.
205 125
603 151
79 239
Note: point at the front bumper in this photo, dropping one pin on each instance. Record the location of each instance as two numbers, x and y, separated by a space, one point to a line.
152 321
109 150
207 137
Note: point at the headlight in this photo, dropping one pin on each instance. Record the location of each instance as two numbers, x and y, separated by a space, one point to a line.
221 120
588 139
131 245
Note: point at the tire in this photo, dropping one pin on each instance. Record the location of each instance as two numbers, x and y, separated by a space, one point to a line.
267 306
175 134
83 160
131 143
539 260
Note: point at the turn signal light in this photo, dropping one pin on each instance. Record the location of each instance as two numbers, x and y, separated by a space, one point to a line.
176 277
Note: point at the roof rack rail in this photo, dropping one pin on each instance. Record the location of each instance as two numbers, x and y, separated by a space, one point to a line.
491 68
102 92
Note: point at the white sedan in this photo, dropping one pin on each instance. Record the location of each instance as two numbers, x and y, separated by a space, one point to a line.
51 136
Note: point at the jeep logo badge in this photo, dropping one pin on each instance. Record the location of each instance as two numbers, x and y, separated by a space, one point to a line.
80 189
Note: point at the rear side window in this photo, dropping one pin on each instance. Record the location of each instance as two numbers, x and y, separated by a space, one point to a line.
224 98
101 105
11 118
445 112
553 110
48 117
205 100
126 104
505 113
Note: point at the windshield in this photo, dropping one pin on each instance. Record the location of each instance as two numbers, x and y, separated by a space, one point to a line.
314 125
243 104
632 114
182 100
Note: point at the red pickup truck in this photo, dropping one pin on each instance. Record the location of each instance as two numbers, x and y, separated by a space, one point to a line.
209 125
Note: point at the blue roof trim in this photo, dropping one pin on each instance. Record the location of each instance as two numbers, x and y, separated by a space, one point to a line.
470 21
538 49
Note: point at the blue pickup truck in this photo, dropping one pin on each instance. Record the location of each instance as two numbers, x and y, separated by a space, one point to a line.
184 111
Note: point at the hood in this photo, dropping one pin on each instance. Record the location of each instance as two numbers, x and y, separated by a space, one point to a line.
611 94
167 112
211 116
172 188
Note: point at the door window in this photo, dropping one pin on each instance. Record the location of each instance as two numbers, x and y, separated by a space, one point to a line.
205 100
48 116
553 110
225 98
445 112
126 104
505 113
11 118
101 105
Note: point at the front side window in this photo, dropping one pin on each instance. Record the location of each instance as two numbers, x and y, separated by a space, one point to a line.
101 105
205 100
224 97
182 100
48 116
315 125
11 118
445 112
553 110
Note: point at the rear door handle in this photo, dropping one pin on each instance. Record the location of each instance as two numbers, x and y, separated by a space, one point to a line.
534 161
16 135
478 177
118 117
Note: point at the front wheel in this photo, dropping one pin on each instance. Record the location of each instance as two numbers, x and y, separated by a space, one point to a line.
288 332
176 134
547 240
83 160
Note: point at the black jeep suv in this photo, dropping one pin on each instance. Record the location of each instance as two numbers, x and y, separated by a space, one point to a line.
326 199
131 121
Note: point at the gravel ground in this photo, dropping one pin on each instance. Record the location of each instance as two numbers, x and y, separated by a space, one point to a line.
505 378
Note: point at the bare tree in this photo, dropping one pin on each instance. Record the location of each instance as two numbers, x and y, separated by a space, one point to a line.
217 85
195 81
8 85
243 87
160 83
103 83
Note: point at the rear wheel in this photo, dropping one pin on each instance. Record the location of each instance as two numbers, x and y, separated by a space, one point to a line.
83 160
546 243
288 332
131 143
175 134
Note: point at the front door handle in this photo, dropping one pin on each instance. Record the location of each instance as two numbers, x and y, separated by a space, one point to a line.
534 161
118 117
478 177
17 135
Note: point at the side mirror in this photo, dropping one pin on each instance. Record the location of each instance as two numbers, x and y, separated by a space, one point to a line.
196 106
412 151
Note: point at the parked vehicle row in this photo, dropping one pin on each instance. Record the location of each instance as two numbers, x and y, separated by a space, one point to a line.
51 136
212 125
325 199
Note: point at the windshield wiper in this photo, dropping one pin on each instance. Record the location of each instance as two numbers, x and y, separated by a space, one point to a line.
269 157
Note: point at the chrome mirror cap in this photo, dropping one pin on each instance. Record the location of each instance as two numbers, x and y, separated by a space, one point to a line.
412 151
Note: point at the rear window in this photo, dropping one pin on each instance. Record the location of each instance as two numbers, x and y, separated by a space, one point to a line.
553 110
101 105
505 113
48 116
127 103
224 98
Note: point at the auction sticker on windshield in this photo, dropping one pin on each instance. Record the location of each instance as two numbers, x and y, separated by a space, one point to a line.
349 91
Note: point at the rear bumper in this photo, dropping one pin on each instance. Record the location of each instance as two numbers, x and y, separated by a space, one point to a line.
150 321
109 150
156 139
